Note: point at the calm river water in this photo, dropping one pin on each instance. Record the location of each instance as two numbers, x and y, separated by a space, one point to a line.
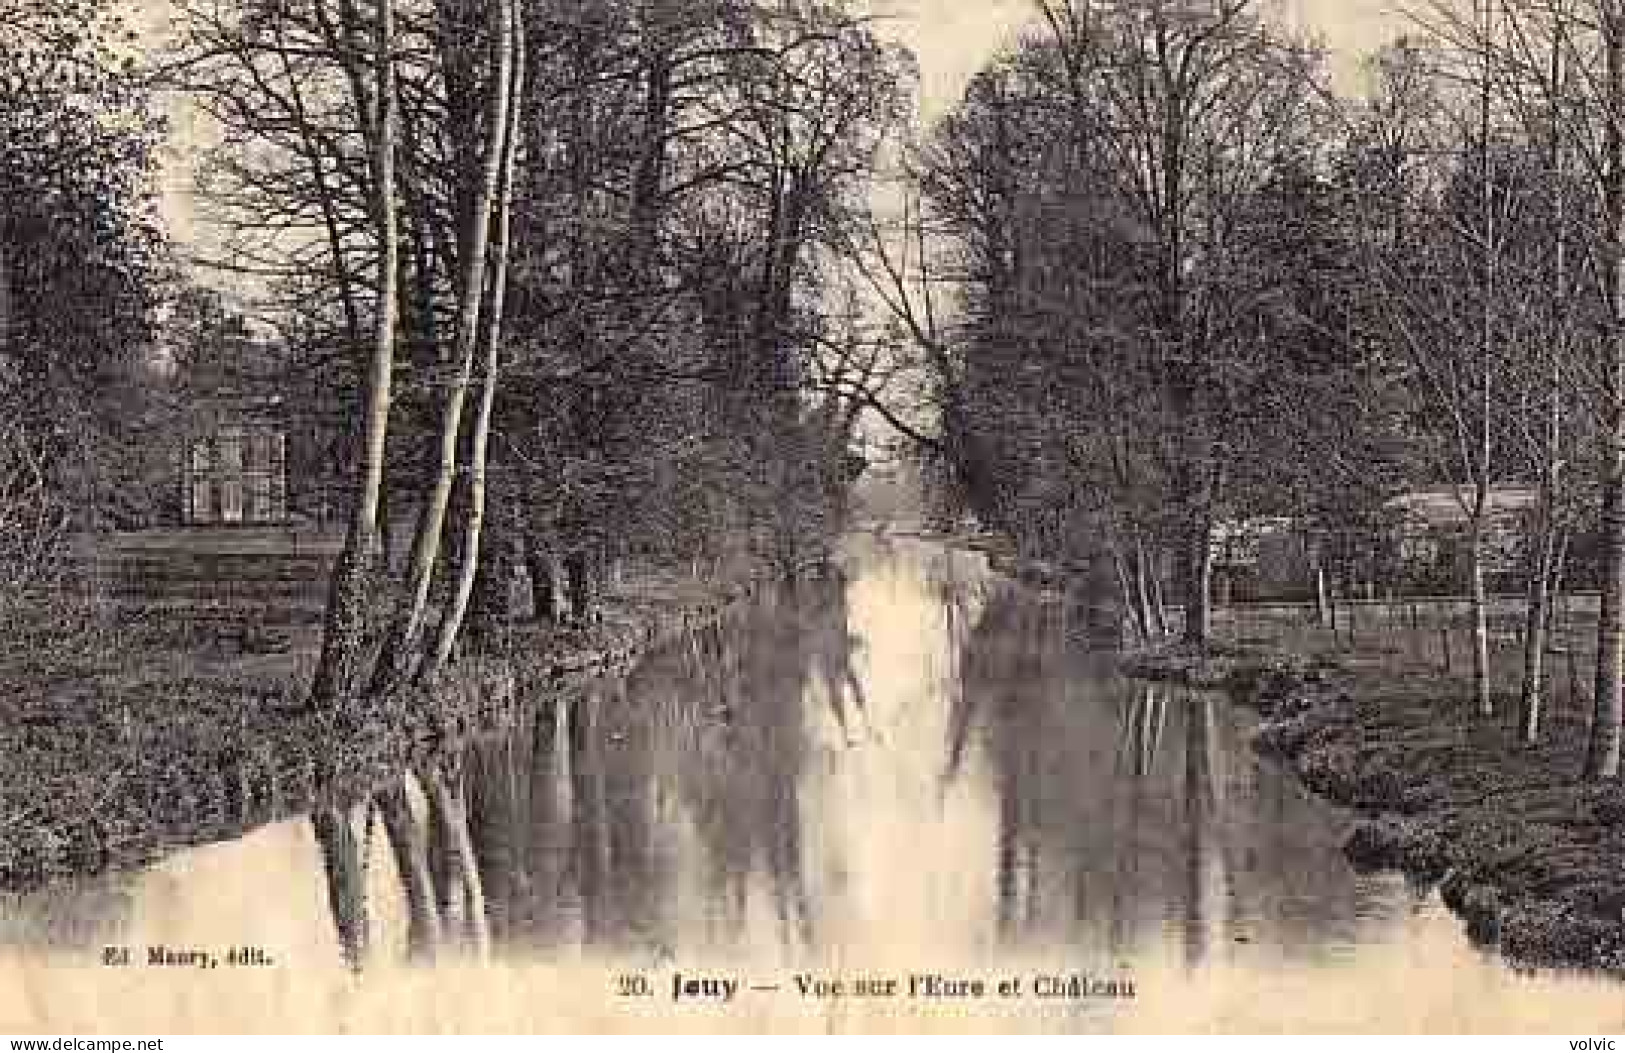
897 781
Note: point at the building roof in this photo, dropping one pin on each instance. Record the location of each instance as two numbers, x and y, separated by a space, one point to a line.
1250 529
1448 506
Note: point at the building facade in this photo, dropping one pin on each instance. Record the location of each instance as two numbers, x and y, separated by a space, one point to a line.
236 474
1421 544
1434 534
236 471
234 456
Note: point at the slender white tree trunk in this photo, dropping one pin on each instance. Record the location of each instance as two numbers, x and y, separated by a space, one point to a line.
1534 630
1544 572
1481 628
510 67
1142 587
1125 587
1323 598
1199 584
1482 473
401 654
339 668
1603 747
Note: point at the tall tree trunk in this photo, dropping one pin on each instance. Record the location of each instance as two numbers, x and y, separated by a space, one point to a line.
1317 573
1142 587
544 590
1125 586
649 178
505 116
1603 747
340 667
1537 618
1186 380
584 573
1481 628
401 649
1199 582
1481 633
1560 563
1545 573
1158 606
5 295
1603 744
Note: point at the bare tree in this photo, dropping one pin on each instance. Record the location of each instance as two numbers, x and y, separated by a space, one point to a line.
511 66
402 655
340 670
1603 750
1572 57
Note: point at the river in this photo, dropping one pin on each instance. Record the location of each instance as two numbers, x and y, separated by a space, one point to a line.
894 786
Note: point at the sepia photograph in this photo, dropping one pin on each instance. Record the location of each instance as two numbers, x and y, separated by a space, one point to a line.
765 517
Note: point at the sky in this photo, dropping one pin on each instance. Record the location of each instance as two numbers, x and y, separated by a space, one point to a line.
950 38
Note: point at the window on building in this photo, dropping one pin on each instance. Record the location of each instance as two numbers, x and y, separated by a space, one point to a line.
259 497
231 500
231 452
230 475
200 511
237 475
278 471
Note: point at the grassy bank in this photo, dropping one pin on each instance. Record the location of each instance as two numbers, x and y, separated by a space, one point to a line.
1530 857
127 741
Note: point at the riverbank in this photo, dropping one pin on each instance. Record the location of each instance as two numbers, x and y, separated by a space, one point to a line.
1532 859
143 749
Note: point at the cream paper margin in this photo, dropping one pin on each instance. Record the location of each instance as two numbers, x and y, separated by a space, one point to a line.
1431 984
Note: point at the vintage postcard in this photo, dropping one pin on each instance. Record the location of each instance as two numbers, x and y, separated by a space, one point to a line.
833 516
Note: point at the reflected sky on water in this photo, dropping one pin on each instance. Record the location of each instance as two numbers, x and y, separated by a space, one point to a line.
900 768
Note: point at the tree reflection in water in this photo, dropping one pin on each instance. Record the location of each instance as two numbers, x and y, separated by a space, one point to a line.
571 828
832 652
344 835
426 822
665 812
1122 806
